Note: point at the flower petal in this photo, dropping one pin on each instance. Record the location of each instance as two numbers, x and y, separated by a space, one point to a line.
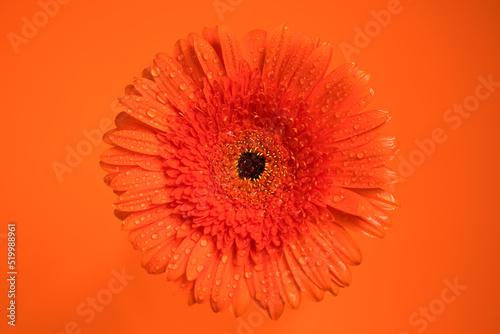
231 51
145 218
186 56
379 197
123 157
151 235
253 47
226 281
311 70
204 283
291 290
352 203
374 228
138 140
209 60
177 265
201 255
242 298
264 292
337 129
301 47
138 179
149 111
156 258
132 201
276 55
345 90
334 238
171 78
307 287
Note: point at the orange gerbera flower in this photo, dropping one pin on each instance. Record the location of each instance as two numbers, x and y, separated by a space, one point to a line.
239 166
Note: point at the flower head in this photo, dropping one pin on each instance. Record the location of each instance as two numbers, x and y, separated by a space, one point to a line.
239 166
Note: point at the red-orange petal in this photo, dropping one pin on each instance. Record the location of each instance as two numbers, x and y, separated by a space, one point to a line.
276 56
253 47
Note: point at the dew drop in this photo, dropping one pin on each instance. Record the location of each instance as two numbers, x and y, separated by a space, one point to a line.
303 260
151 112
182 86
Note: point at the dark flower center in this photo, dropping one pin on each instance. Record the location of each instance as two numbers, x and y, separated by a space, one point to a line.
251 165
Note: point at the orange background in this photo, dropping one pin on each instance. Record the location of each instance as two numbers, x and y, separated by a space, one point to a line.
65 78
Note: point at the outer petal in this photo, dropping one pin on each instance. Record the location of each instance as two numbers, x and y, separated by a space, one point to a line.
204 283
138 179
334 238
336 129
311 70
301 46
209 60
122 157
307 287
231 51
277 54
201 256
142 219
149 111
373 228
226 281
138 140
173 80
345 90
177 265
253 47
186 56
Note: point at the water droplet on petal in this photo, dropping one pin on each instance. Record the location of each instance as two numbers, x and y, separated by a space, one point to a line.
182 86
337 198
151 112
